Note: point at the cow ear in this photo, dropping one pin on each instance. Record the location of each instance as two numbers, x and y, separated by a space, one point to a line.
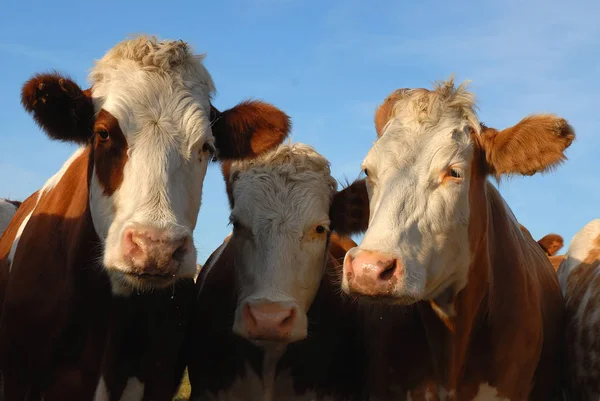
59 107
349 212
551 243
248 129
536 144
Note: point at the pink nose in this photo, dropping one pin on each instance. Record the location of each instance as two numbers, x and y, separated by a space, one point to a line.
154 252
371 273
269 321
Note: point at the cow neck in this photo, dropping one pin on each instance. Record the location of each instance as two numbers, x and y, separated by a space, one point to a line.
451 337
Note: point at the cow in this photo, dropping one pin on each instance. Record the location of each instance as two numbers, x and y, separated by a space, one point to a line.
97 266
579 277
8 208
269 321
550 244
443 245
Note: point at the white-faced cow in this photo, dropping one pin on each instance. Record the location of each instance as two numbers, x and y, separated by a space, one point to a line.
94 265
579 276
443 244
8 208
270 321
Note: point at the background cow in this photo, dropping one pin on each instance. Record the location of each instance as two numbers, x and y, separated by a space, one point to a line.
579 276
8 208
442 243
270 322
81 255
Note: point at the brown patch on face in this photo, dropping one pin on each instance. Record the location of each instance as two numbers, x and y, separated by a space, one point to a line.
226 170
110 152
59 107
248 129
349 211
385 112
534 145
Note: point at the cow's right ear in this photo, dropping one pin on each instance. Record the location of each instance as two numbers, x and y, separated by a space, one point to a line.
59 107
349 212
248 129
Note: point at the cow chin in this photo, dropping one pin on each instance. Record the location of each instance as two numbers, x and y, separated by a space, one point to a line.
126 281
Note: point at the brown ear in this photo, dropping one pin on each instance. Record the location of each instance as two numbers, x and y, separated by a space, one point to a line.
349 212
551 244
248 129
386 111
536 144
59 107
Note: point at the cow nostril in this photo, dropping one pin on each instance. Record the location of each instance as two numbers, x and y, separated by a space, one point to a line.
387 272
179 253
289 320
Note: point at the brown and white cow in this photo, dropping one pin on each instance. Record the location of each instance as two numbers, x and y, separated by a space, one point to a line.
270 322
8 208
579 276
442 243
94 265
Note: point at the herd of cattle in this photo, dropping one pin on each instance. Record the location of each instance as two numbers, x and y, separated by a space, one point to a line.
447 296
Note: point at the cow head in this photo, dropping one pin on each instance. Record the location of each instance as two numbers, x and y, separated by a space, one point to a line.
151 131
280 213
426 180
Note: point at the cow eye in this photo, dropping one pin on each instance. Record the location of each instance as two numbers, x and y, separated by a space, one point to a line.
455 173
103 134
210 148
366 172
320 229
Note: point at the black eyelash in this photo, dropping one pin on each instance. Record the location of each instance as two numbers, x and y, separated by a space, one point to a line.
454 173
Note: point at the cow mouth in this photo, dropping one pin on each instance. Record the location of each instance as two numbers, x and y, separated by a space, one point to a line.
149 280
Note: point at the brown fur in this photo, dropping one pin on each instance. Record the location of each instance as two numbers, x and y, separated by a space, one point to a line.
110 155
349 211
534 145
551 243
385 111
59 107
259 127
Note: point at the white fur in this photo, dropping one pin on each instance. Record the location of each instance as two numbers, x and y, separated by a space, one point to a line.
250 387
15 244
415 217
159 92
134 390
579 248
101 393
7 211
280 199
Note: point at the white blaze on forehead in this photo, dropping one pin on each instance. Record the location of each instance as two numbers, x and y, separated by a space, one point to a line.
416 216
279 199
159 92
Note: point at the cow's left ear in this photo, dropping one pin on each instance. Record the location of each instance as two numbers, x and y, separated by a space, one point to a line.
248 129
536 144
59 107
349 212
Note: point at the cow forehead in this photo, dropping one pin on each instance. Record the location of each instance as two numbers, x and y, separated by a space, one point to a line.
143 83
278 199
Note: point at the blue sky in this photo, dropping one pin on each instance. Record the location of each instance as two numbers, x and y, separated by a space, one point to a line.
328 64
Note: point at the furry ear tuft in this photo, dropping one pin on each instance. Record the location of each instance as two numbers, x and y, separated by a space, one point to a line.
59 107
